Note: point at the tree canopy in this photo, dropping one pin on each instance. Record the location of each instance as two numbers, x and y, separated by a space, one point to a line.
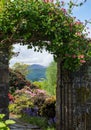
21 67
51 78
46 25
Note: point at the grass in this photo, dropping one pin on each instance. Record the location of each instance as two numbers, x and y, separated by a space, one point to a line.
41 122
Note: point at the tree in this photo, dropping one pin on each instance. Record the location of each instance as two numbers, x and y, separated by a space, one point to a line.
51 78
21 67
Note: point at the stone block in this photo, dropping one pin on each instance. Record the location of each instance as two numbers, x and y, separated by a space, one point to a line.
4 88
5 111
4 101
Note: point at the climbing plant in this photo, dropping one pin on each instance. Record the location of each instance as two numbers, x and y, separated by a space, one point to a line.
44 24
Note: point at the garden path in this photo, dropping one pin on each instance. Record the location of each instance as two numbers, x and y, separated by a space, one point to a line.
19 125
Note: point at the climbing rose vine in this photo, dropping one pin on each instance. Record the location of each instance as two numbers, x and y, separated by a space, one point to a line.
44 24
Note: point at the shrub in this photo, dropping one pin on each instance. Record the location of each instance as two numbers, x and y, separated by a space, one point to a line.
27 99
16 80
40 96
48 108
34 103
30 111
21 101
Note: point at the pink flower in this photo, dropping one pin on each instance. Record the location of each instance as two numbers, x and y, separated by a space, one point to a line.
40 91
78 34
81 56
46 1
64 10
32 95
74 56
82 61
78 22
28 92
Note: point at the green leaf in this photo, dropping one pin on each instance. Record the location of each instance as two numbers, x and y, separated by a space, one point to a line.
8 128
8 122
2 116
2 125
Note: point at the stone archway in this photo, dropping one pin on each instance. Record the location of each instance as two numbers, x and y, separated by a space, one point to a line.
47 25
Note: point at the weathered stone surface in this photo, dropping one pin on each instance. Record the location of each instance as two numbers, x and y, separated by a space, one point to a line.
5 111
19 125
4 78
3 88
4 101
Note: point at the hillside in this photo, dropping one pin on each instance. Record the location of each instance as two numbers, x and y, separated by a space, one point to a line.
37 72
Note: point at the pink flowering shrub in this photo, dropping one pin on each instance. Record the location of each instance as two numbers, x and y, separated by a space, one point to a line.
21 101
33 102
28 98
40 98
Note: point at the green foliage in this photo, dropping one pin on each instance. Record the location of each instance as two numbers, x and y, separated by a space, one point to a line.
27 98
40 97
42 85
4 124
48 108
32 103
50 129
12 108
45 24
51 78
41 122
21 67
16 80
21 101
39 84
49 84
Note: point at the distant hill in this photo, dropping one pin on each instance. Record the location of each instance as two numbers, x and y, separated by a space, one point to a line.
37 72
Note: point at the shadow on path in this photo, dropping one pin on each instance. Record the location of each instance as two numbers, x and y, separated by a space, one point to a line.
20 125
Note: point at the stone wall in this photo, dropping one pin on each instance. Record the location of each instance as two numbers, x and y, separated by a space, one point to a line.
4 87
73 106
4 101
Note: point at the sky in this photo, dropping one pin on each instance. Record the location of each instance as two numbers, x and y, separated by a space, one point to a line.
28 56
